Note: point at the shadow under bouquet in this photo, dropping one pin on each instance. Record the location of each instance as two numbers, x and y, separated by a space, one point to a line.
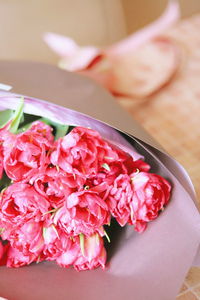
62 187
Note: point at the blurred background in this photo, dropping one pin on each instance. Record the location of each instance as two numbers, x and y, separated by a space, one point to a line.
171 115
99 22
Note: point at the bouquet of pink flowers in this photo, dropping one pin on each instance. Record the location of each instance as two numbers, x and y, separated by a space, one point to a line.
61 185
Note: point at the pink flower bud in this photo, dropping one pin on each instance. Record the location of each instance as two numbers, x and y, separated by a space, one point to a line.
91 254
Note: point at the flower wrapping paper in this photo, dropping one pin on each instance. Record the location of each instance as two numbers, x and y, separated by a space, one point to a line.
151 265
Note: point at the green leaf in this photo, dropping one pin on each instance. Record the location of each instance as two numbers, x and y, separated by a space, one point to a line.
1 230
38 259
44 230
24 128
107 236
17 116
5 117
55 230
82 242
61 129
4 182
51 211
46 121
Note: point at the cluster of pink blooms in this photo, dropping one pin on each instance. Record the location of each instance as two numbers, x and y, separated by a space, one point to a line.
63 192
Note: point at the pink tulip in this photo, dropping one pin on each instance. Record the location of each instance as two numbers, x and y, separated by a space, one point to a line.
119 198
56 242
82 151
85 212
28 238
68 257
151 194
91 254
42 131
20 203
56 185
86 155
26 153
16 258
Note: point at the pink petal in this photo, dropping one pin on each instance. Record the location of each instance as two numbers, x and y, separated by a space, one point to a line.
68 257
72 200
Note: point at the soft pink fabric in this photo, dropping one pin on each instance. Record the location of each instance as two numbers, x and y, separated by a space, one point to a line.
136 66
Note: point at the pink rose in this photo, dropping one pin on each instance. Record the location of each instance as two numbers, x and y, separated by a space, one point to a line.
27 152
151 194
84 212
84 152
56 185
92 254
20 203
16 258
